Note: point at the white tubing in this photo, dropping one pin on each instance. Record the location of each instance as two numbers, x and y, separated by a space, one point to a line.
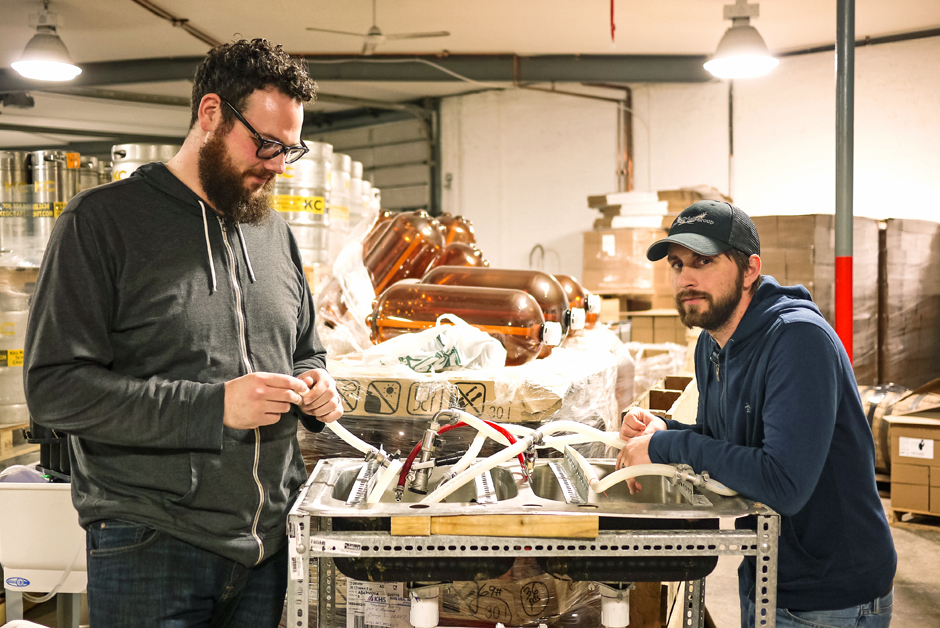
480 425
664 470
478 469
388 475
718 488
612 439
350 439
472 452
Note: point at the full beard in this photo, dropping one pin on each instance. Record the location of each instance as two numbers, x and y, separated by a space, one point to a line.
225 186
719 311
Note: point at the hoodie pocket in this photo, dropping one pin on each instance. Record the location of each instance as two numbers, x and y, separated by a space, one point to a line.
795 562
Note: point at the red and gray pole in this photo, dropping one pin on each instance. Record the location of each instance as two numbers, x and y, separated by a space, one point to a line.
845 123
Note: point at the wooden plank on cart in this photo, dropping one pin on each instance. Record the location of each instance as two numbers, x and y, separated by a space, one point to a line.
918 520
535 526
411 526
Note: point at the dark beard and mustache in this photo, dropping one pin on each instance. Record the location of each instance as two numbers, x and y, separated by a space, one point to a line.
718 313
225 187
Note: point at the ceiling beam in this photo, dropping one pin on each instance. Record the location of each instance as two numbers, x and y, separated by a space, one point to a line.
119 138
411 68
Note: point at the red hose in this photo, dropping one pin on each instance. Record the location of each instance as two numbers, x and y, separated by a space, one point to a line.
417 448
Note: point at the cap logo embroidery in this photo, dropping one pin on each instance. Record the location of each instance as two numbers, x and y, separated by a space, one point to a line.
688 221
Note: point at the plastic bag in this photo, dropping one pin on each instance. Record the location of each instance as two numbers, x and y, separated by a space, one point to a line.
455 346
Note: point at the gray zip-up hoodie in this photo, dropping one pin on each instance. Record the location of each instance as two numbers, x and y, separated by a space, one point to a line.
146 304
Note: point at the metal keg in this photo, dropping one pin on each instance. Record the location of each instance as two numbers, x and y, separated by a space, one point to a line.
88 174
16 284
302 195
339 203
26 224
126 158
14 189
377 199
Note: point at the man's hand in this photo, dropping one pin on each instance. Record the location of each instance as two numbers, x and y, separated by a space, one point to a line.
322 401
635 452
638 421
637 429
260 399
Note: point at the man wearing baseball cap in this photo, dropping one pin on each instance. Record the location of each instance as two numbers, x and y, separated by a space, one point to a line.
779 420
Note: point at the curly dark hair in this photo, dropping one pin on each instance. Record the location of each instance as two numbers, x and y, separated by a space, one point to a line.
234 71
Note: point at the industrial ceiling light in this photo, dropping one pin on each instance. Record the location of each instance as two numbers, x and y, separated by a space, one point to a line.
45 57
742 52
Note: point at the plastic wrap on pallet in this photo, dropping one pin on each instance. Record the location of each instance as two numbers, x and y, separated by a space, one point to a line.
910 353
655 362
343 330
524 596
392 405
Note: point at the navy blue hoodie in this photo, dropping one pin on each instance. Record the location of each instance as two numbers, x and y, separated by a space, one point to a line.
781 422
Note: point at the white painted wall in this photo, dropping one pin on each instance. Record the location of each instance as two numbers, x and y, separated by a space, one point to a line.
523 162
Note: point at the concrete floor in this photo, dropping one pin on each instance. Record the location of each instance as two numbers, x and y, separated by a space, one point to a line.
916 601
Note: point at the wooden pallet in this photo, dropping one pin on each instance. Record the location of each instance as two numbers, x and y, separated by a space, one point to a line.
918 519
13 442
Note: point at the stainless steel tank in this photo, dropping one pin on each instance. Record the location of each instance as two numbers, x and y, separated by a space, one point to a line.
27 218
126 158
88 174
14 189
302 195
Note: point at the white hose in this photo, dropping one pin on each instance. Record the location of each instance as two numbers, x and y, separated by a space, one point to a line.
480 425
718 488
385 479
664 470
478 469
350 439
472 452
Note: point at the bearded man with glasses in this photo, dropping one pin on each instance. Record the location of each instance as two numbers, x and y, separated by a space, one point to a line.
173 339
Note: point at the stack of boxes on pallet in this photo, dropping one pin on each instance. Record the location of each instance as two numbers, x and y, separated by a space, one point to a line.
801 250
915 464
909 351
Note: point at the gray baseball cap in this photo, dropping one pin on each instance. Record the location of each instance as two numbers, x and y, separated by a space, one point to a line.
709 228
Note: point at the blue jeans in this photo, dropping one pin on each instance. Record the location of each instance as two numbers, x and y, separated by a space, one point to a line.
875 614
141 578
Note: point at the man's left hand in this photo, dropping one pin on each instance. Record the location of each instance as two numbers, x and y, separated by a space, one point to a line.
321 401
635 452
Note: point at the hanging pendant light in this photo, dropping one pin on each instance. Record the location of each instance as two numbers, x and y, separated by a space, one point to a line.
45 57
742 52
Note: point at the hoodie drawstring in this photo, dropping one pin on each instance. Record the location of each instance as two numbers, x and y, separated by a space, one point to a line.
205 226
241 238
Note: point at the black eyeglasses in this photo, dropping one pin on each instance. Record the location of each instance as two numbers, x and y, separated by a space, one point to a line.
269 149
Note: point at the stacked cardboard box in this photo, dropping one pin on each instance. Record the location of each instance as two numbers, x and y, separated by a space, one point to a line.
801 250
915 468
656 327
615 261
910 347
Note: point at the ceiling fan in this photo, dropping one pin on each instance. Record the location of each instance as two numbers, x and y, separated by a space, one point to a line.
375 36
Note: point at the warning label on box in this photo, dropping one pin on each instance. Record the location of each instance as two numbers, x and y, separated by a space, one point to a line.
915 448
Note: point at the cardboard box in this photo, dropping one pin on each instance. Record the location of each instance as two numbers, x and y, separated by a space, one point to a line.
656 327
801 250
615 261
915 462
910 302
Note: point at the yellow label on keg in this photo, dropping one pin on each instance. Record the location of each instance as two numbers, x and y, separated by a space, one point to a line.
58 209
28 210
11 358
73 160
291 203
339 212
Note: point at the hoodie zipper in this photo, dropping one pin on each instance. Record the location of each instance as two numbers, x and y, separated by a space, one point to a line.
243 346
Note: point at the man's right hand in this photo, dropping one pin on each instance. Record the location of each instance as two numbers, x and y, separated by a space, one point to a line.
260 399
637 422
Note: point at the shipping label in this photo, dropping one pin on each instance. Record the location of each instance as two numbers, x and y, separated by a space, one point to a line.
915 448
